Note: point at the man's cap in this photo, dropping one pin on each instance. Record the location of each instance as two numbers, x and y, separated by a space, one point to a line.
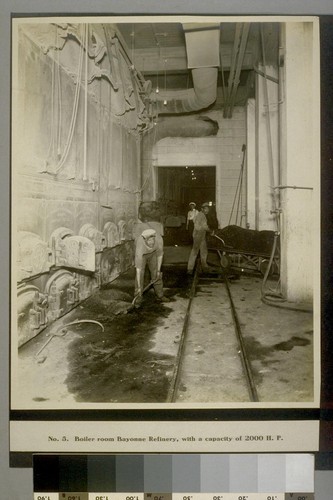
148 233
206 204
192 203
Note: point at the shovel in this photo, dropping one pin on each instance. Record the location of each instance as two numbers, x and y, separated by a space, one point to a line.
130 307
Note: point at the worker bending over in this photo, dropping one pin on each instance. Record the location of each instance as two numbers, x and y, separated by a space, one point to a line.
149 251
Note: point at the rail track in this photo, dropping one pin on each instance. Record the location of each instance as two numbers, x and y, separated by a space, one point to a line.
235 357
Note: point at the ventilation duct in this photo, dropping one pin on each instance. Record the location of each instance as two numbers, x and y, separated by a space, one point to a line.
185 126
202 45
202 48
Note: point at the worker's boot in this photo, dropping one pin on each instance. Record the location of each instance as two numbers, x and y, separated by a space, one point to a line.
163 299
208 270
138 302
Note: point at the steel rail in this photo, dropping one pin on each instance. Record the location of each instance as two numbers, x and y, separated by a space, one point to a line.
172 393
174 385
242 350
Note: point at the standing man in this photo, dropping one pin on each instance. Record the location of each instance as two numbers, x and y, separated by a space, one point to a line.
191 215
199 240
149 250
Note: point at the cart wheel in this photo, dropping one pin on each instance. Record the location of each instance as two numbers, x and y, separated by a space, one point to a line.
225 262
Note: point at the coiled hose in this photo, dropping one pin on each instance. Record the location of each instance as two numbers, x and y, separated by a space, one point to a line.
276 299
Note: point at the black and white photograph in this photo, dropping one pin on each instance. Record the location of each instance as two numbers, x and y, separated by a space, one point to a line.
165 218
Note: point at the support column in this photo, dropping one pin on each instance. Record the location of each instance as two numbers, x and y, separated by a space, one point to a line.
300 160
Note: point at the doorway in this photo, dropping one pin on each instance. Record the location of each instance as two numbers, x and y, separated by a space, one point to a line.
178 186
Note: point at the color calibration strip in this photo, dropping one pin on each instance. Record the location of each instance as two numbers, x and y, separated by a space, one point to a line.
171 496
174 477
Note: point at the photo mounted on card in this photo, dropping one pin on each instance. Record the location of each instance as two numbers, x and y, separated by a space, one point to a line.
165 214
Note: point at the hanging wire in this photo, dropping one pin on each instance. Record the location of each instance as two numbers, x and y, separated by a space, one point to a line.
152 137
85 133
158 68
269 132
223 80
151 145
165 85
240 198
50 151
59 101
165 101
159 58
238 188
61 163
133 44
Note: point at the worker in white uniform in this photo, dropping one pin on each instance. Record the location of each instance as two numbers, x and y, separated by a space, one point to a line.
191 215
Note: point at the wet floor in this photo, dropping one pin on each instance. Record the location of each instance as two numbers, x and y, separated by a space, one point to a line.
117 365
121 363
132 360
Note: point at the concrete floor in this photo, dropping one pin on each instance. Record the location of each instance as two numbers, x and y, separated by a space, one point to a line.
132 360
278 343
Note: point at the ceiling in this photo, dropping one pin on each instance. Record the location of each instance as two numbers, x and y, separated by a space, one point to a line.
159 52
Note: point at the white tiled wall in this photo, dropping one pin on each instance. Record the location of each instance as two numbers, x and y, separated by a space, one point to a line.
224 151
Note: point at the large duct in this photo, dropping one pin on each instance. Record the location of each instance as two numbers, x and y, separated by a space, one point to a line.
179 126
170 126
185 126
202 47
202 95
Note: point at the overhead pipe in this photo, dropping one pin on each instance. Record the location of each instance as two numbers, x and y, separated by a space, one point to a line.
245 34
224 91
241 37
232 67
204 91
185 126
180 126
201 96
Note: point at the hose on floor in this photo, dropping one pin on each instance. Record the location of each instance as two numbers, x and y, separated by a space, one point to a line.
84 321
276 299
62 332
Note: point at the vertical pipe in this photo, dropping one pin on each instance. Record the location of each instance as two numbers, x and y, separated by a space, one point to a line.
107 159
85 106
246 208
99 162
268 127
280 105
138 157
256 188
282 159
59 106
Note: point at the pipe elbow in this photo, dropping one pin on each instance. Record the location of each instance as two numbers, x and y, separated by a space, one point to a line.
202 95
